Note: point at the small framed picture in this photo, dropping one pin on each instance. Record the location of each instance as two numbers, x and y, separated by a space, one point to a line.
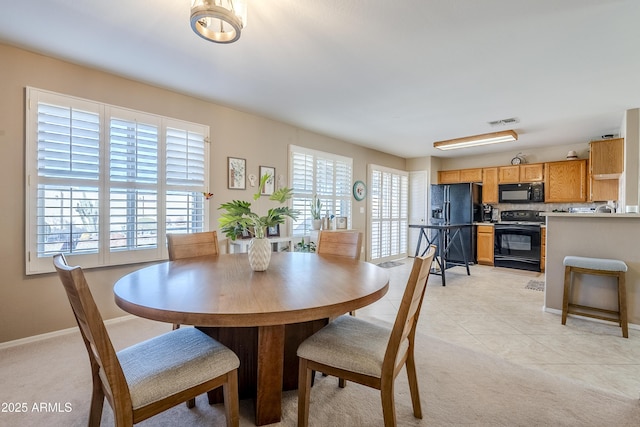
273 231
236 172
341 223
270 185
246 234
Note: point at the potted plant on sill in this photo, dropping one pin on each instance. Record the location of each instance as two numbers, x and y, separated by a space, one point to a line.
238 218
316 211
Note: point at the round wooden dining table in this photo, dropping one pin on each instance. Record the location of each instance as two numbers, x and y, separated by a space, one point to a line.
262 316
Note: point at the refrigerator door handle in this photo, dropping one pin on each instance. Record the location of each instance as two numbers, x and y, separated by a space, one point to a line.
447 212
447 204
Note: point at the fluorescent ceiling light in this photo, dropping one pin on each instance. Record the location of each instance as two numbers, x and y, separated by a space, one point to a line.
473 141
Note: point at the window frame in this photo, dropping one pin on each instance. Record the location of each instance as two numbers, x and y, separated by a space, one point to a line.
388 214
302 199
106 254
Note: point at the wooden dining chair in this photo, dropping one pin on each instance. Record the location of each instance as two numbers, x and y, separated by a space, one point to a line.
152 376
341 243
192 245
368 353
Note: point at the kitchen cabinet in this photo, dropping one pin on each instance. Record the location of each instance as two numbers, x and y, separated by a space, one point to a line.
543 247
565 181
532 173
484 242
606 164
521 173
471 175
606 158
449 177
509 174
490 185
458 176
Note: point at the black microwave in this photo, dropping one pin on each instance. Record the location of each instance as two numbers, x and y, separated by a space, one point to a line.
521 193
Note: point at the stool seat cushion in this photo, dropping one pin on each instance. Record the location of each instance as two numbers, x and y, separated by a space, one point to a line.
604 264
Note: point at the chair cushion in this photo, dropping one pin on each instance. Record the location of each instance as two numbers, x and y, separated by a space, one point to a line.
172 362
595 263
349 343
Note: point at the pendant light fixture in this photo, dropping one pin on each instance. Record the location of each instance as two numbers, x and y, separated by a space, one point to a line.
219 21
473 141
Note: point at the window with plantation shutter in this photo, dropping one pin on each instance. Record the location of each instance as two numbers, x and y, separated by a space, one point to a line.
326 175
389 220
105 184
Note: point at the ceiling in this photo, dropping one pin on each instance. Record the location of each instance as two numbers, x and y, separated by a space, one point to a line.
390 75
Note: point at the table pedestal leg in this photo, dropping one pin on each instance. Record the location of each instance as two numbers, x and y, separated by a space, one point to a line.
270 369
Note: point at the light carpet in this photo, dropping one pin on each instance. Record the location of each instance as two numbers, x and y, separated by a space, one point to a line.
459 387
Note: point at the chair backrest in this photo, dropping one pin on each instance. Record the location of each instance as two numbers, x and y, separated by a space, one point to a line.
341 243
407 318
193 245
102 355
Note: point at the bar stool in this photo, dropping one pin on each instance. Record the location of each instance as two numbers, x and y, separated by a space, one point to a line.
600 267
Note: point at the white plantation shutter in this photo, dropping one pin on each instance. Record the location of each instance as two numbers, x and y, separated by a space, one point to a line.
104 184
326 175
186 171
68 172
388 204
133 176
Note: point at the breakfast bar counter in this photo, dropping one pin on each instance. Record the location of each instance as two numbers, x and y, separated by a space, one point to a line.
594 235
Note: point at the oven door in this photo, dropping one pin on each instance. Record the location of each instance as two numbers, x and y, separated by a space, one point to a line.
517 246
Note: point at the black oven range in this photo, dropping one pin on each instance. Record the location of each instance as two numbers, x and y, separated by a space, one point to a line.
517 240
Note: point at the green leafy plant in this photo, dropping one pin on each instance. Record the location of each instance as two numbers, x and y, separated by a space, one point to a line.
238 217
316 207
301 246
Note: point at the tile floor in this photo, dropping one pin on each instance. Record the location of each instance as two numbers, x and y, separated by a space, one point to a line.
491 311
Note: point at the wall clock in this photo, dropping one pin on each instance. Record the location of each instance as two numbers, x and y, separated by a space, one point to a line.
359 190
518 159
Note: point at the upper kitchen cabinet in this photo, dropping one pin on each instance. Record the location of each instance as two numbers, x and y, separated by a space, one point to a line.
508 174
521 173
490 185
606 158
532 173
606 164
460 176
565 181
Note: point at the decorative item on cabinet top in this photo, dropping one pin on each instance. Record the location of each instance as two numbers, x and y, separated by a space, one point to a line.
518 159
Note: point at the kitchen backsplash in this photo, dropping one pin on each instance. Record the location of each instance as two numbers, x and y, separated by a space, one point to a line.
544 207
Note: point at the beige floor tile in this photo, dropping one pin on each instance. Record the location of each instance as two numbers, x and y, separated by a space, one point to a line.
491 311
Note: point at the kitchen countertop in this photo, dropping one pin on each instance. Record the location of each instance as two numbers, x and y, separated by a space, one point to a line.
592 215
491 224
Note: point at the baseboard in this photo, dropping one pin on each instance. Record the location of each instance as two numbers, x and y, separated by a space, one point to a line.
59 333
606 322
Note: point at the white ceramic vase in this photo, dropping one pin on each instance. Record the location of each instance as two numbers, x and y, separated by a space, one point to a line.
259 254
316 224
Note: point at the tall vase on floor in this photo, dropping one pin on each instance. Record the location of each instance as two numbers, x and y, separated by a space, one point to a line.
259 254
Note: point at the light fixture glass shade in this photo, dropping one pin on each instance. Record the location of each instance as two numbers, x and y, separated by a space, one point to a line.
473 141
219 21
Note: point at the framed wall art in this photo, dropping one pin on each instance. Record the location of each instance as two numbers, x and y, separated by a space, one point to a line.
236 172
273 231
270 185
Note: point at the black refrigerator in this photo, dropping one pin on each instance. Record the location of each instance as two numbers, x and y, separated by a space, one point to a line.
458 204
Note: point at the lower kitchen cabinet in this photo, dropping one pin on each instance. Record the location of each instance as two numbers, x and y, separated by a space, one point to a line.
484 240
